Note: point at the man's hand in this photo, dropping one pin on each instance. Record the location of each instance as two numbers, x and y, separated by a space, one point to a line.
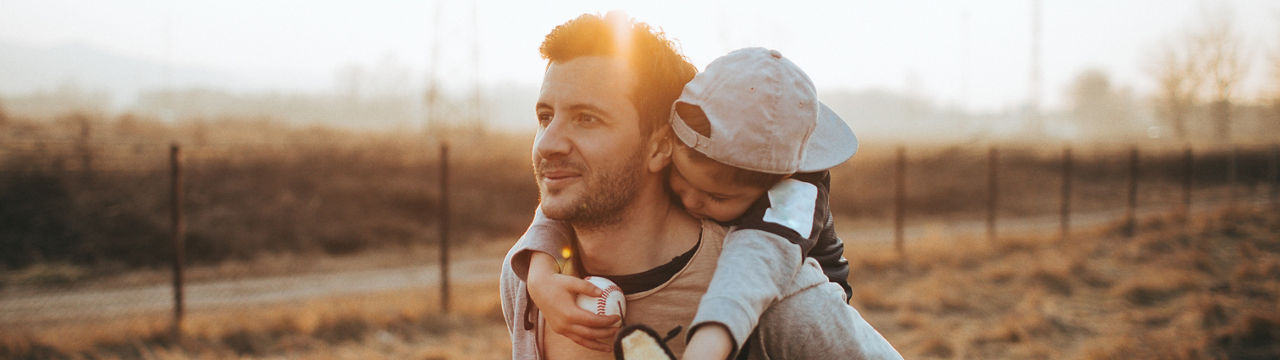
709 342
556 296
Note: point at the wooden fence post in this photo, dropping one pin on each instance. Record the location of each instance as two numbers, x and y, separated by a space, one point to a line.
993 191
179 230
1131 211
444 227
899 201
1065 219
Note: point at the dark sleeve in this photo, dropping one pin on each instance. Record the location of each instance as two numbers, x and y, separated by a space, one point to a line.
827 248
822 244
829 251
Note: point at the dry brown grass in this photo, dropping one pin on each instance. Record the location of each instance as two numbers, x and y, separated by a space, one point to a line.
1098 296
92 190
251 188
1204 290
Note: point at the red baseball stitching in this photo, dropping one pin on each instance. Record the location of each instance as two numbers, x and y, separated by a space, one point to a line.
603 300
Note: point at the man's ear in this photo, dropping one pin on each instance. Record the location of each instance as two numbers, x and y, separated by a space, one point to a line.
659 150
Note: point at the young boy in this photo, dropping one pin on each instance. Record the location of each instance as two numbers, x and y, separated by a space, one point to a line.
753 152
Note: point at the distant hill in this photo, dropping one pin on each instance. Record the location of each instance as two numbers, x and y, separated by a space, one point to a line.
28 69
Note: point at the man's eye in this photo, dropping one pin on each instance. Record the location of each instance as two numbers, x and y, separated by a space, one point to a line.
544 119
588 119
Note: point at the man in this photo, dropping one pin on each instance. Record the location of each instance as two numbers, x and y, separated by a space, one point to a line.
599 159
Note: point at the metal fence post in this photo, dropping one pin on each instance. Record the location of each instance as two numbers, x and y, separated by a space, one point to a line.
899 200
1275 176
1131 211
179 243
1065 219
1231 179
993 192
84 149
1188 171
444 227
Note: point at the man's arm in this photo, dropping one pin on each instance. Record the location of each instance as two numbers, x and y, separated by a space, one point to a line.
517 312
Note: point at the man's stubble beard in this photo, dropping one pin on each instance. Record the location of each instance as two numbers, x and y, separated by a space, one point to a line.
607 195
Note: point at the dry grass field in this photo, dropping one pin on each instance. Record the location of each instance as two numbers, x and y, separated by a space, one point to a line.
84 204
93 191
1204 290
1207 289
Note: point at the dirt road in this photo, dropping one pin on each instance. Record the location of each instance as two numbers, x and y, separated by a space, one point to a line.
89 304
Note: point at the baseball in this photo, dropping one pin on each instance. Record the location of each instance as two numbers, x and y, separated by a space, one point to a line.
611 303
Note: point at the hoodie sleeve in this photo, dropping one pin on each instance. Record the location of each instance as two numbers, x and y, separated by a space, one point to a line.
544 235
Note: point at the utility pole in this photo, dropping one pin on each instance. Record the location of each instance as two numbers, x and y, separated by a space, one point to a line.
433 126
477 111
1034 125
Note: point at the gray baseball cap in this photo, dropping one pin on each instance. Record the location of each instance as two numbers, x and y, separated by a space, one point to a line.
764 115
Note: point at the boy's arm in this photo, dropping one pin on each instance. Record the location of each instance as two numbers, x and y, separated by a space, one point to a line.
828 249
753 271
762 255
544 235
829 253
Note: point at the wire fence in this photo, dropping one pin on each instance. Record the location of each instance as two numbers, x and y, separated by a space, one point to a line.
147 204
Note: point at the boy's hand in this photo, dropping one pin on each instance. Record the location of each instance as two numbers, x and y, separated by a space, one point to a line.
556 296
709 342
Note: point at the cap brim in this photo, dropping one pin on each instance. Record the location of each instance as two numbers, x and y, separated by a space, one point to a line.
831 144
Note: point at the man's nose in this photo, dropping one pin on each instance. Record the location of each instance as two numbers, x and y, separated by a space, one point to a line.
552 140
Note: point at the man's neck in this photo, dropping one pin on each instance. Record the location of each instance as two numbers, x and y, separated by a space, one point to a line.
651 233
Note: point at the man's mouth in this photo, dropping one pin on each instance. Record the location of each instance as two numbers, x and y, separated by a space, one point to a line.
556 179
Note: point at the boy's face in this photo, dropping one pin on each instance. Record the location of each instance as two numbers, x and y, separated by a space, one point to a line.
705 194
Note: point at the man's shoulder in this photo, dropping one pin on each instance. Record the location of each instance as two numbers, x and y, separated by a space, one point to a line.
713 234
713 230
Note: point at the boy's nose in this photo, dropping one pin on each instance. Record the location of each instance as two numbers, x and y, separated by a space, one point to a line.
691 201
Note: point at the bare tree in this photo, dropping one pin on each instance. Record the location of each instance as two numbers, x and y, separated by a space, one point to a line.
1178 80
1100 109
350 82
1223 63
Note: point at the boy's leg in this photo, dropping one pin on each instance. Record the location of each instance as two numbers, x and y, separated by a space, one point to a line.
815 323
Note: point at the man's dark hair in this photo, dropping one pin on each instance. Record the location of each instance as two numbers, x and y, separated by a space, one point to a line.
660 70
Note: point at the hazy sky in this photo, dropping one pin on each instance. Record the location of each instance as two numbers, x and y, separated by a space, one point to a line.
968 53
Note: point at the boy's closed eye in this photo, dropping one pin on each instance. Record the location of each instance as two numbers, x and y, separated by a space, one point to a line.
705 194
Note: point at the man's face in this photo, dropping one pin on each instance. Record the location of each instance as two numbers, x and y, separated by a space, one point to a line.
588 156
